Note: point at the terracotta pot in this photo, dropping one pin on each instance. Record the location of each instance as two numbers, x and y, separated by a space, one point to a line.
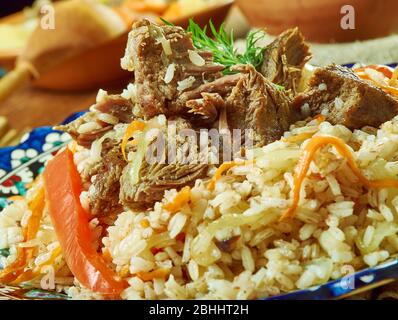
320 20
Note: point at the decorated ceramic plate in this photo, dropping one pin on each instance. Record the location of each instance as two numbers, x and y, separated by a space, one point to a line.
19 165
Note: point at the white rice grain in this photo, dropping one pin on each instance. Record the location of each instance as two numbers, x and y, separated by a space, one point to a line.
176 224
196 58
88 127
186 83
138 264
169 75
108 118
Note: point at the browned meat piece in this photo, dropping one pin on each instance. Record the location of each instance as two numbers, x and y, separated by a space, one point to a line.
205 102
207 107
155 178
284 59
255 103
223 86
118 107
153 51
345 99
114 105
86 139
104 197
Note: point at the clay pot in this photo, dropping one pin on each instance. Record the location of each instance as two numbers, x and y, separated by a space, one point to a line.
320 20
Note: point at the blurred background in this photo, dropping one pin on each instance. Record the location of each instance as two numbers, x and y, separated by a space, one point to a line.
52 73
11 6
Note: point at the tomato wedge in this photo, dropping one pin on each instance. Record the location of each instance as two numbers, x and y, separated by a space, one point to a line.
63 186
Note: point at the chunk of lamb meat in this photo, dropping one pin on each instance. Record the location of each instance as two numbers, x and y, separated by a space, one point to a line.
166 64
255 103
284 59
114 105
343 98
206 101
156 178
105 178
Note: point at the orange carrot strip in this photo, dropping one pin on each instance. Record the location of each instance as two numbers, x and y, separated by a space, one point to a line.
155 274
144 223
15 269
223 168
394 77
181 199
34 273
390 74
304 163
220 170
385 70
132 127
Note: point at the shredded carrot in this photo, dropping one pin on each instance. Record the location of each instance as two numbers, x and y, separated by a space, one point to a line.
385 70
155 274
124 272
389 89
16 268
34 273
107 255
36 207
304 163
132 127
144 223
220 170
181 199
390 76
223 168
394 77
363 75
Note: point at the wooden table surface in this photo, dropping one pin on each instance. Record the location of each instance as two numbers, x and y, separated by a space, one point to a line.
29 107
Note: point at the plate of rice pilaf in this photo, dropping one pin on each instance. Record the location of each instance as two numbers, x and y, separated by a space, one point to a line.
213 175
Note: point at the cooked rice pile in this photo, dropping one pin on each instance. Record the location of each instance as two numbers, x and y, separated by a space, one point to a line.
230 244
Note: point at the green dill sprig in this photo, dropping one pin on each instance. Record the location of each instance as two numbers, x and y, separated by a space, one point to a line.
222 46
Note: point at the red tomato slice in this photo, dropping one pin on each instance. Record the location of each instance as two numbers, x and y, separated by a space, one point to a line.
62 185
